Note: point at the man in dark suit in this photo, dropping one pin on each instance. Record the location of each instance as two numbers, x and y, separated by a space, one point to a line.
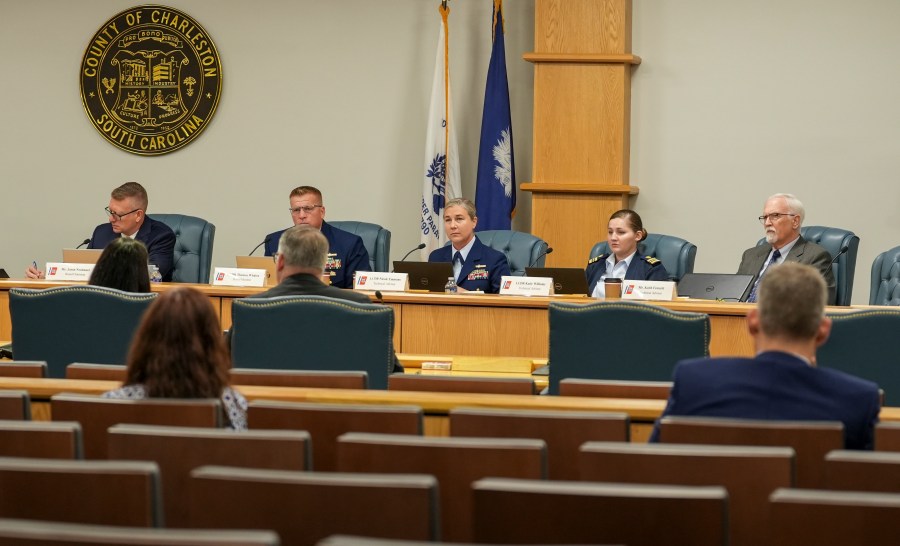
299 265
782 217
127 213
782 381
346 252
475 265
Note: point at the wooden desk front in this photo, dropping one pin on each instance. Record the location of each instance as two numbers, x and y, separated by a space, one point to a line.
483 325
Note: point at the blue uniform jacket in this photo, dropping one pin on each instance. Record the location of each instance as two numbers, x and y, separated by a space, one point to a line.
774 385
482 270
156 236
346 254
641 268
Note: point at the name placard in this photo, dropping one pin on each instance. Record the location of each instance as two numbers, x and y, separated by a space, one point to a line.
648 290
235 276
59 271
386 282
526 286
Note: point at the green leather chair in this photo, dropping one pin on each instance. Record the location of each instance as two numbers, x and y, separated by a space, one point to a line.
335 334
74 324
885 288
676 254
521 249
833 240
622 340
193 246
376 239
862 344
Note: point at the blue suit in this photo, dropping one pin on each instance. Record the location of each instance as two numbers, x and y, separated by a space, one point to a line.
156 236
641 268
482 269
775 385
346 254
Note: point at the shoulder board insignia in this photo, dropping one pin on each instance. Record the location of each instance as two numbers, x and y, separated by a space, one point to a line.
651 260
597 259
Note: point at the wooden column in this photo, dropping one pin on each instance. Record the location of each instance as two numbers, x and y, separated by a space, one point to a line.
582 117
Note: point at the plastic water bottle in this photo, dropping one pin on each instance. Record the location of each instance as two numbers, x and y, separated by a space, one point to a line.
450 287
155 275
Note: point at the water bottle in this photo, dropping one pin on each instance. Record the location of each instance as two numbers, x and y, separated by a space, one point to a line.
450 287
155 275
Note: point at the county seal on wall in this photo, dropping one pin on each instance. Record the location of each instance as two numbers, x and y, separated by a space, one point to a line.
151 78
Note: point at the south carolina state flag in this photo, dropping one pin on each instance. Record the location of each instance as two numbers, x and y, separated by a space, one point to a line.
441 169
495 192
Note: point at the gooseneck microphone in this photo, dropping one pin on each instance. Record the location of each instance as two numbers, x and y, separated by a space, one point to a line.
85 242
420 247
843 251
266 240
541 255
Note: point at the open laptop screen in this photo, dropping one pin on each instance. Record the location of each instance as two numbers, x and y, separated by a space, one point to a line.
431 276
566 280
715 286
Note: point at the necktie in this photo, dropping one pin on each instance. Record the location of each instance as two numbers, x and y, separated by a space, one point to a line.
775 255
457 258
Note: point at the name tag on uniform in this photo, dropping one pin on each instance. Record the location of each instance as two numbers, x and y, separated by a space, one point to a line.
234 276
648 290
58 271
526 286
385 282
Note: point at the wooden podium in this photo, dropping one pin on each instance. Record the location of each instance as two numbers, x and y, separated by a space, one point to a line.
582 118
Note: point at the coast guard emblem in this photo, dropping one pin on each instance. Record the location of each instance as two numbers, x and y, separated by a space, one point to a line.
151 78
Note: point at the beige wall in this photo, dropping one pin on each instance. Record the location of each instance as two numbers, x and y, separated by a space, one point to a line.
734 101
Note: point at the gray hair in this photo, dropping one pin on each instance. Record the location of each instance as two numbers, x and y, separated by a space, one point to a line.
464 203
304 246
792 300
794 204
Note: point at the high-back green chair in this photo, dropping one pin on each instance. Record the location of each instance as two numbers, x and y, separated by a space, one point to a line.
676 254
338 334
603 340
521 249
193 246
375 238
862 344
885 287
69 324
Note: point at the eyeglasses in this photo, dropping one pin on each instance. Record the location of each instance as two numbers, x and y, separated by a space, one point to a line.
774 217
308 209
118 216
275 257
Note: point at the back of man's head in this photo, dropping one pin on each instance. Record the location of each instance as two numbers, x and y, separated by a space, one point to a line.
304 247
792 300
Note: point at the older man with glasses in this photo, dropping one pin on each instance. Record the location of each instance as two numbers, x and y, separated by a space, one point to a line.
782 217
127 213
346 252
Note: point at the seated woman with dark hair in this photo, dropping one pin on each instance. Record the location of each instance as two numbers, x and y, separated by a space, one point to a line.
122 265
178 352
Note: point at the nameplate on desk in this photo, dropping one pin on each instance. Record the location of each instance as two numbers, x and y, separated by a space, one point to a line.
59 271
235 276
648 290
385 282
526 286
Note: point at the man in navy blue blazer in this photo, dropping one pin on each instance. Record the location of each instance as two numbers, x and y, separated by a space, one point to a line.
782 381
127 213
346 252
475 266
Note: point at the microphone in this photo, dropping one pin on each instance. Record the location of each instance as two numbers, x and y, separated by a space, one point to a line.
420 247
843 251
266 240
85 242
379 297
542 254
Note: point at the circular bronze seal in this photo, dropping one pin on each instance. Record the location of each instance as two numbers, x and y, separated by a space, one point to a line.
151 80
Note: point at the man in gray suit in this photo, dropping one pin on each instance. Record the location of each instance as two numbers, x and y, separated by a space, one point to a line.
782 217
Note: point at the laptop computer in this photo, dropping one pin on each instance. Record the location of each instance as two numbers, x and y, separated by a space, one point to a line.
259 262
431 276
3 274
566 280
715 286
81 255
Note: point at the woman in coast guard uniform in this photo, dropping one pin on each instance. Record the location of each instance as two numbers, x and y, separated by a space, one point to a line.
476 266
624 231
